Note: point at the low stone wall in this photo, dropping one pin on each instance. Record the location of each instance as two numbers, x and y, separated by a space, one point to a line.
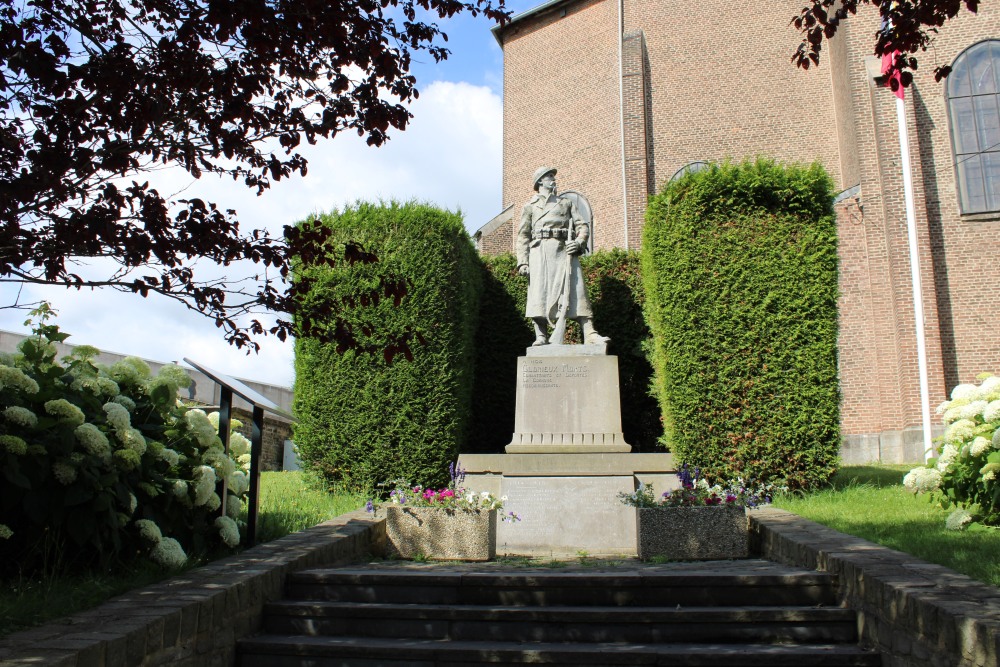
195 618
918 614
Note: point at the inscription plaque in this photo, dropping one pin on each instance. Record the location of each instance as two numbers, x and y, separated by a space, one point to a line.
566 515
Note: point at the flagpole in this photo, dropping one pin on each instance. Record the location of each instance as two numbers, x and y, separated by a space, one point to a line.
918 301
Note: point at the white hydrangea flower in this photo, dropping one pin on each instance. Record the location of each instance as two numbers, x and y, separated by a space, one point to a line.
132 439
922 480
960 431
130 370
948 454
64 473
942 408
239 482
168 553
201 428
228 531
204 484
244 462
990 476
238 444
118 416
213 419
14 444
5 532
988 468
963 391
92 439
996 439
149 530
958 520
124 401
979 446
170 456
233 506
128 458
952 414
992 411
14 378
213 503
133 502
63 409
973 410
173 376
108 387
20 416
180 489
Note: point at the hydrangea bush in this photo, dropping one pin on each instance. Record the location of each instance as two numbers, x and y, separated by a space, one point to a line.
101 465
695 491
964 474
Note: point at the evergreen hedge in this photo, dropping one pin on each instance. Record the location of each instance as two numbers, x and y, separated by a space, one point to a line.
362 421
740 267
616 293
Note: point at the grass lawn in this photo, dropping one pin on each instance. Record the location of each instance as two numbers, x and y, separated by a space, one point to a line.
287 505
870 502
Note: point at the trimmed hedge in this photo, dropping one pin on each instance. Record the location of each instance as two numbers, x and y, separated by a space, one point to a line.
362 421
740 268
615 288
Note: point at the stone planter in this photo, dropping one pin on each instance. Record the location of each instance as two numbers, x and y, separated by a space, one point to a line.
440 534
692 533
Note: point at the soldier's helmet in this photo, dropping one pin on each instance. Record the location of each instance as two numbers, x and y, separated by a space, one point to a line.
541 171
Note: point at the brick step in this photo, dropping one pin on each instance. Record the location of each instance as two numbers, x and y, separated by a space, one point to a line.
564 624
282 651
603 589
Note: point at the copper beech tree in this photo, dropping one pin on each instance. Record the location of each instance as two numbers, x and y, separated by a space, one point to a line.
907 27
94 93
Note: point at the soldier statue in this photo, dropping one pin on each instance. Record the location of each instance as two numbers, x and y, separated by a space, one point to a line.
552 235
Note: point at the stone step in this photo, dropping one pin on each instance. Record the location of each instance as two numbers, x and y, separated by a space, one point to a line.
603 589
564 624
283 651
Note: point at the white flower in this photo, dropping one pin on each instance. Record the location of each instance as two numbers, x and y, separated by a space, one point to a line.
238 444
173 376
922 480
239 483
204 484
63 409
130 370
952 414
201 428
963 391
948 454
13 444
92 439
168 553
125 402
133 502
20 416
118 416
16 379
64 472
979 446
180 491
960 431
228 531
958 520
213 503
996 439
973 409
992 411
170 456
5 532
133 440
988 468
149 530
991 383
233 506
990 476
942 408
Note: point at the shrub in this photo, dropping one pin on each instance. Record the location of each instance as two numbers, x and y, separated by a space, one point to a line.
740 267
964 473
614 285
360 419
102 464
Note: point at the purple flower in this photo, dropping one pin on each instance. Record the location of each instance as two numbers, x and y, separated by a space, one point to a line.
370 507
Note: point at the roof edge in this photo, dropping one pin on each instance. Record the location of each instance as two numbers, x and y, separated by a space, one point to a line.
528 13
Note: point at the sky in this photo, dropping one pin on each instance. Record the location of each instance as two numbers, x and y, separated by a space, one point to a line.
450 156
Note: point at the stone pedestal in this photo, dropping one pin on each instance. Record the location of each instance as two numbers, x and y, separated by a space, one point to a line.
568 503
567 401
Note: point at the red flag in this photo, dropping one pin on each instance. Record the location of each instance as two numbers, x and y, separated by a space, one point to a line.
887 62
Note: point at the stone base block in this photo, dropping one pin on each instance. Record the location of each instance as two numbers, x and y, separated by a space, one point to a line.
692 533
564 516
440 534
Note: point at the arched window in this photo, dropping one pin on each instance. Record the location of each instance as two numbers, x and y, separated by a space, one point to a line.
973 93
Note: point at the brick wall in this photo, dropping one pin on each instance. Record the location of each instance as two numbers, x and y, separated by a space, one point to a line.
276 431
561 109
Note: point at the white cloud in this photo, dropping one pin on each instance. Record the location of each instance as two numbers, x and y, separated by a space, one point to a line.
449 156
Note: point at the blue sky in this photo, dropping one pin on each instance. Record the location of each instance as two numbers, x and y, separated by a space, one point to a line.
450 156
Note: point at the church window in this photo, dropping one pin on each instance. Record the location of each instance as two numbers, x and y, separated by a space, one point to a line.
973 93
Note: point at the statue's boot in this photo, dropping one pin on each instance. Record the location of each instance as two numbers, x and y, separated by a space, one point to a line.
541 327
590 335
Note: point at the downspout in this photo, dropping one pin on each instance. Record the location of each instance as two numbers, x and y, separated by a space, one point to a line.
621 111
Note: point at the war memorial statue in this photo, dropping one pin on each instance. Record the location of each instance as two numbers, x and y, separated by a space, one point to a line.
552 235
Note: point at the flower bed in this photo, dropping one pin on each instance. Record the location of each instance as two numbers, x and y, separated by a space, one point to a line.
440 533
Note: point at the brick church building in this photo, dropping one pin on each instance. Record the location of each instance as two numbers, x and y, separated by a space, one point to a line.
621 94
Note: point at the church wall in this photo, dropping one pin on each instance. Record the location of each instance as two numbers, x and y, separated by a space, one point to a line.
711 100
561 109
